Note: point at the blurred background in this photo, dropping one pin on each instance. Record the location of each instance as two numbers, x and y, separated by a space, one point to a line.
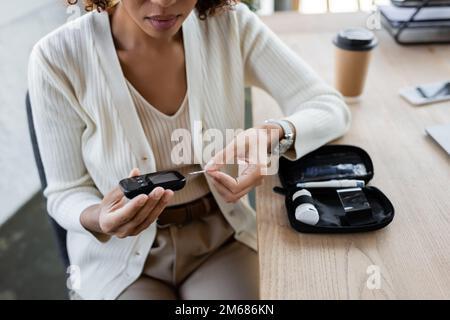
30 265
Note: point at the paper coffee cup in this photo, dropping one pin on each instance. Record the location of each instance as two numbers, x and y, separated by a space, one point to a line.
353 52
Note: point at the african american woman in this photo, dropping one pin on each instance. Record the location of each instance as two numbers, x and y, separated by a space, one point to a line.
109 90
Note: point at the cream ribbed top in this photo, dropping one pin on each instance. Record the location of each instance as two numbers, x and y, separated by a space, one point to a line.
158 128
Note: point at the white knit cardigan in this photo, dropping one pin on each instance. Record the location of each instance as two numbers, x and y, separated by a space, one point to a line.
90 136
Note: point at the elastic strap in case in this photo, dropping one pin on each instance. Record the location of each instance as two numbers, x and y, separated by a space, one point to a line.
303 199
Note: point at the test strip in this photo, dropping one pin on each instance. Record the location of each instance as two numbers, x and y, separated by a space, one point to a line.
197 172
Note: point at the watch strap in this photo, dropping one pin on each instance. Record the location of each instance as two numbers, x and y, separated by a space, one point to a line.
288 139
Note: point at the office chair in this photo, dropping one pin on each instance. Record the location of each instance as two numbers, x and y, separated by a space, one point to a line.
60 233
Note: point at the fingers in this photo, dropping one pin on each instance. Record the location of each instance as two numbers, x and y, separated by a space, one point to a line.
247 148
112 220
130 209
118 204
135 172
232 196
229 196
115 199
129 217
153 199
251 176
221 158
250 179
225 179
168 195
216 162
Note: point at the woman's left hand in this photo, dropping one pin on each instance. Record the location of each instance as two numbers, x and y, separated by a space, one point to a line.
249 150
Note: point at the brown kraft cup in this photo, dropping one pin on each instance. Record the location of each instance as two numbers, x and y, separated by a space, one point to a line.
353 51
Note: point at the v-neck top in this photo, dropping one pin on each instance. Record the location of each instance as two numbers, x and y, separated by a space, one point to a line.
158 128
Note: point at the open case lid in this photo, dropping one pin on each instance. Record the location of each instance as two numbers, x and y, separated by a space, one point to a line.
333 162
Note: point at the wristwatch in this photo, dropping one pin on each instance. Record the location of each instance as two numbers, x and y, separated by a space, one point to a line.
288 140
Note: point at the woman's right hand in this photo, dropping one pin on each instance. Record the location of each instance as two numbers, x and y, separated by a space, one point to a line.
120 217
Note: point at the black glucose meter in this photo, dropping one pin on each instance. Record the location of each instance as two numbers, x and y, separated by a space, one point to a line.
144 184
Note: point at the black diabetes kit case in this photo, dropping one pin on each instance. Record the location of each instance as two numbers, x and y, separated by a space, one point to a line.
333 218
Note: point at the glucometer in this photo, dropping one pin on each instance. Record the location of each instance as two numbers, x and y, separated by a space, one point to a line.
144 184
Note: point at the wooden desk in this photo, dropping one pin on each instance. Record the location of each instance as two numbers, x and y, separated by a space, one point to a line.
413 252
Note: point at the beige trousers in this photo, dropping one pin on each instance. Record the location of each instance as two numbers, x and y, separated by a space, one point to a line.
200 260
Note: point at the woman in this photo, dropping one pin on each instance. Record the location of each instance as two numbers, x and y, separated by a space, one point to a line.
109 89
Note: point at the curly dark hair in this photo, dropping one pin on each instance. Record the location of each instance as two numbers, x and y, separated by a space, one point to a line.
205 8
